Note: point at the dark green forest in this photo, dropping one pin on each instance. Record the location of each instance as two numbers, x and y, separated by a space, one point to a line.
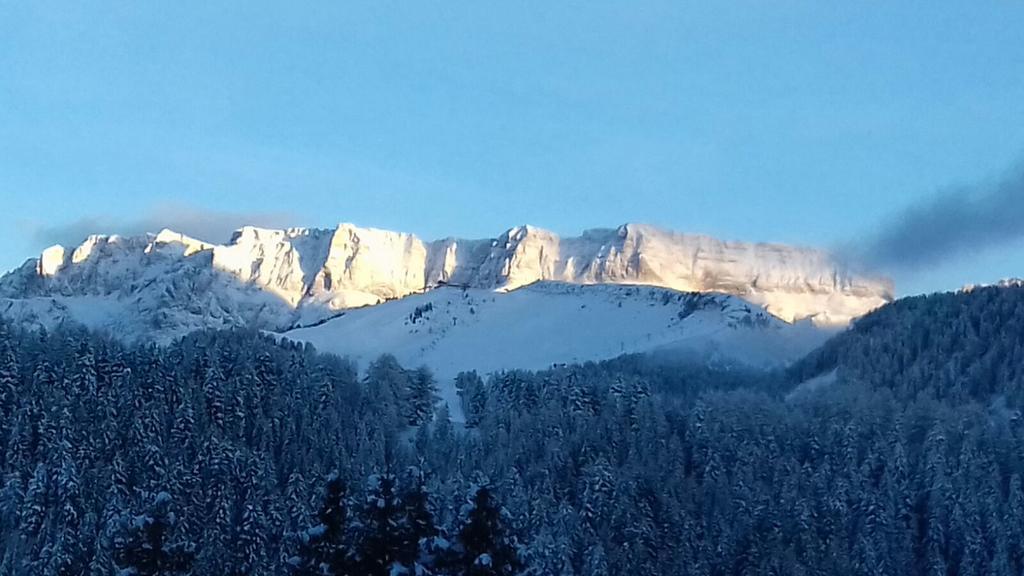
897 448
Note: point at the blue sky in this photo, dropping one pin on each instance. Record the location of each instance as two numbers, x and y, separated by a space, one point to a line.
799 122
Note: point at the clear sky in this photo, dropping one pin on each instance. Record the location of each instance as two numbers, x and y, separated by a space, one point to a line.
801 122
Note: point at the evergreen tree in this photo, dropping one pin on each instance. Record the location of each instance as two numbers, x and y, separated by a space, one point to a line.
485 548
421 529
9 400
142 547
325 549
386 540
472 395
420 397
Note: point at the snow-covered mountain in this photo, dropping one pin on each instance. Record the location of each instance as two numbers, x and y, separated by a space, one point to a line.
166 284
454 329
527 299
1004 283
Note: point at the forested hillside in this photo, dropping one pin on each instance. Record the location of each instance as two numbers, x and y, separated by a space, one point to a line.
955 347
232 453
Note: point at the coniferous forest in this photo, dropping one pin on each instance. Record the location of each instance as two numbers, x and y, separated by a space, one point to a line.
898 448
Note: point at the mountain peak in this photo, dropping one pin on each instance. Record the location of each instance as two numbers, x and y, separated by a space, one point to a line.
51 260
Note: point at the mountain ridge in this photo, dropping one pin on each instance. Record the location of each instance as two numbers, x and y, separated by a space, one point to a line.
315 272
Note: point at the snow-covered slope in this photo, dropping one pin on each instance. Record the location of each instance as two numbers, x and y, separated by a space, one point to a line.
166 284
454 329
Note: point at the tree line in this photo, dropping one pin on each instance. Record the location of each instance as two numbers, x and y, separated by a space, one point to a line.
236 453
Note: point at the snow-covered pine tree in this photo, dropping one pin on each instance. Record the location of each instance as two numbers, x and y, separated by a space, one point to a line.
472 395
143 546
213 393
420 396
485 549
386 542
249 533
325 549
9 400
416 504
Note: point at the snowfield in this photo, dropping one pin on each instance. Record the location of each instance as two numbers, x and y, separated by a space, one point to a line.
453 329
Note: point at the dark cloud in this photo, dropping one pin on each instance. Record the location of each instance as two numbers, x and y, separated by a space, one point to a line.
210 226
954 224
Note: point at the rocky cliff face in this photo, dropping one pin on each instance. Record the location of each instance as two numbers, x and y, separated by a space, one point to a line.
278 278
791 283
